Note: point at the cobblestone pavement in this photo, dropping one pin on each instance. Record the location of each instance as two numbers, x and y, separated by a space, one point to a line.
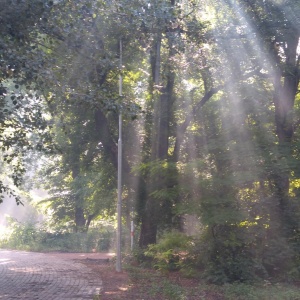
39 276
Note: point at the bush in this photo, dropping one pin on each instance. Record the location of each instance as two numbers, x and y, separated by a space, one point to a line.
225 256
37 237
22 236
171 252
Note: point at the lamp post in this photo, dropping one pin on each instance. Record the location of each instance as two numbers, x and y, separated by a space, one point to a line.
119 203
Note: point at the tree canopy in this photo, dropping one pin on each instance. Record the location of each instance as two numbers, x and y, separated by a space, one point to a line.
211 119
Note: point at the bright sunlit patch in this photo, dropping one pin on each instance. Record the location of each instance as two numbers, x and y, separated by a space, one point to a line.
5 262
189 85
25 270
294 185
111 293
4 231
247 224
278 2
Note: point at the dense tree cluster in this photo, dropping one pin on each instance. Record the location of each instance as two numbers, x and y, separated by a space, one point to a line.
211 119
22 125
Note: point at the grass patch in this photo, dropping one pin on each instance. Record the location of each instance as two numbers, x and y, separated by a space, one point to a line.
266 291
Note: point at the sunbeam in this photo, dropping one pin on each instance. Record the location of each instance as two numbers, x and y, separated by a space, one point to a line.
207 163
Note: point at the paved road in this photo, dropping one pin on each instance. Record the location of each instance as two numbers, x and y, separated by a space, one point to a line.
38 276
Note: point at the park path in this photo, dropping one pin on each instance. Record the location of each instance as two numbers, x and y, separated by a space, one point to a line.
40 276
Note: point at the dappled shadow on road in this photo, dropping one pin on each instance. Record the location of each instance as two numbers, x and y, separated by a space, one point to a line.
115 285
4 261
82 256
32 275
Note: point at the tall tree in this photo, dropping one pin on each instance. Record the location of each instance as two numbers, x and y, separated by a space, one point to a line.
22 126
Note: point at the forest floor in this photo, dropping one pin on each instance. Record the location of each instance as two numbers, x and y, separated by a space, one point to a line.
137 283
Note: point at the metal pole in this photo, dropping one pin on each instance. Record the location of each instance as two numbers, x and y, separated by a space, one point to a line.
131 235
119 203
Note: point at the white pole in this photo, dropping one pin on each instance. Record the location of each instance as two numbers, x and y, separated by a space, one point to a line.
131 234
119 204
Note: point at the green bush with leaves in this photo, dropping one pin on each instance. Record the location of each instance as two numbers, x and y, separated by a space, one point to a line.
224 255
171 252
37 237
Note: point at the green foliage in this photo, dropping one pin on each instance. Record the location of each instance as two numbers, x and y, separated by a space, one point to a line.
224 255
23 127
210 91
38 237
156 284
170 253
242 291
227 254
172 291
153 284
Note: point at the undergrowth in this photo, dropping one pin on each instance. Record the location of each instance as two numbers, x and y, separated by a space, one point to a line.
36 236
161 286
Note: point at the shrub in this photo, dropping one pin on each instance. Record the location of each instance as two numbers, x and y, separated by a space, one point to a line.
171 252
224 257
37 237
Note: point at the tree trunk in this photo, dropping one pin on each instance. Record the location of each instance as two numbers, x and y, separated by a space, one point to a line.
284 99
164 116
88 221
79 219
148 231
110 147
156 211
148 205
78 203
